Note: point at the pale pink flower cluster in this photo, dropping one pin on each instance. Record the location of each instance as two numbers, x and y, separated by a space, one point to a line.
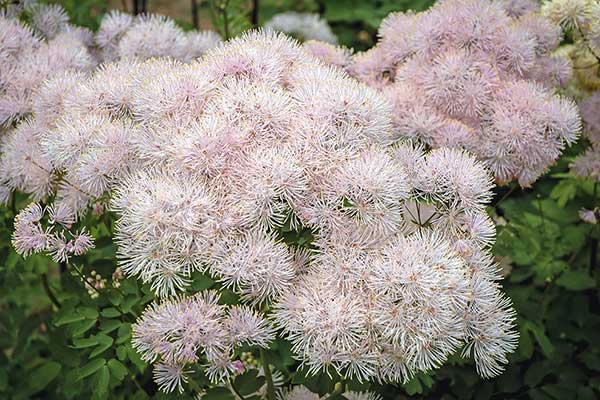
476 74
30 56
258 138
211 164
196 329
587 165
124 36
56 239
302 393
328 53
303 26
78 155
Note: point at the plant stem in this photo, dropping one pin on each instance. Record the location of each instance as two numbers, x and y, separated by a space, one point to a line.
340 388
82 276
255 6
13 203
594 241
195 14
512 189
237 393
48 291
225 19
268 376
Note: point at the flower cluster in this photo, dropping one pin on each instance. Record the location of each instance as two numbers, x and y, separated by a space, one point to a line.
213 163
587 165
30 237
302 393
303 26
196 329
124 36
258 137
30 55
476 74
75 156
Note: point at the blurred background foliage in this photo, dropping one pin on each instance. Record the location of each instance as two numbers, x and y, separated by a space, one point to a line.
82 349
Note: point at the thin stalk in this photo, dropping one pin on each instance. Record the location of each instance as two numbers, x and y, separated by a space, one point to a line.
195 19
48 291
83 277
594 241
236 391
255 9
225 20
13 203
510 191
268 376
340 388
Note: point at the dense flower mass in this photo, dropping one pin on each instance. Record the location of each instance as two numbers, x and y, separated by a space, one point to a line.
123 36
476 74
209 162
29 56
213 163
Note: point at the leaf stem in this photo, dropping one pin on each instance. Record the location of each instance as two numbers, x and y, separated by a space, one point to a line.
268 375
235 390
48 291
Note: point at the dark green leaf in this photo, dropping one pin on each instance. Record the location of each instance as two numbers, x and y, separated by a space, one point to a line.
117 369
43 375
576 280
91 367
104 342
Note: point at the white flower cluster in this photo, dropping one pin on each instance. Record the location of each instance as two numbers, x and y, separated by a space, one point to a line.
303 26
124 36
257 137
209 163
477 74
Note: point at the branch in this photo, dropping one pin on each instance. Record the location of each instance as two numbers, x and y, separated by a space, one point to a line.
268 376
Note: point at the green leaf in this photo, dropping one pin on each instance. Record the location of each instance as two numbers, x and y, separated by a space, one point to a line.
576 280
124 333
541 338
91 367
129 302
110 312
104 342
109 325
82 327
84 343
117 369
413 387
69 317
248 382
88 312
564 191
101 379
218 393
136 359
43 375
122 353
